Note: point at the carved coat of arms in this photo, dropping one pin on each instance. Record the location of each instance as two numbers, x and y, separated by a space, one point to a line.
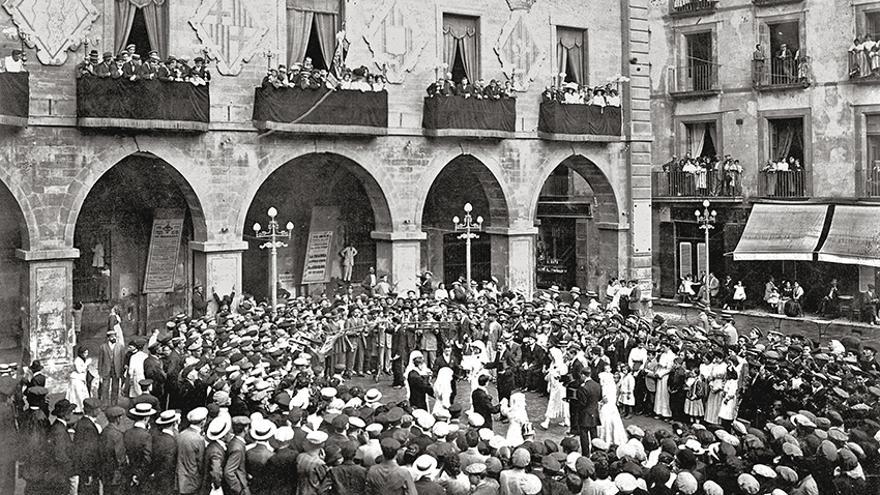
230 31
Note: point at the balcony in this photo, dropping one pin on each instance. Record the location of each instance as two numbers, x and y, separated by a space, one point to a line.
567 122
15 88
687 8
685 186
155 105
771 3
321 111
872 182
789 184
860 68
469 117
695 80
781 74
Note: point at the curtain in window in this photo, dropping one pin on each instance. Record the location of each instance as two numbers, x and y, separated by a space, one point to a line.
698 139
299 27
570 54
461 33
327 29
326 15
124 11
713 135
156 19
785 136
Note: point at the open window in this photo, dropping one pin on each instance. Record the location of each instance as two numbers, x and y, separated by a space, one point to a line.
701 139
143 23
461 46
787 139
783 46
872 139
312 26
571 54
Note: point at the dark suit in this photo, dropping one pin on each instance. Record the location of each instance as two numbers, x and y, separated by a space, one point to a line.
164 464
234 470
112 459
111 363
139 450
61 466
215 456
256 460
506 364
419 390
190 461
280 472
588 396
88 455
483 406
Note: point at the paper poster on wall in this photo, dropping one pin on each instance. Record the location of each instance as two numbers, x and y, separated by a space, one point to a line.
316 270
164 249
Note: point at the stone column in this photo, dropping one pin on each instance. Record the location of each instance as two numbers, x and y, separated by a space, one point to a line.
47 319
513 258
398 255
217 265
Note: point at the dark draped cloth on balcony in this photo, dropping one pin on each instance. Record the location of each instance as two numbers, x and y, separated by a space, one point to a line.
447 115
142 104
561 118
295 109
14 98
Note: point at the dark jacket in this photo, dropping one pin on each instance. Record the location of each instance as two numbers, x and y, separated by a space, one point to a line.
588 396
280 471
419 390
61 449
87 443
190 470
483 406
112 456
255 463
347 479
164 463
234 471
215 455
139 450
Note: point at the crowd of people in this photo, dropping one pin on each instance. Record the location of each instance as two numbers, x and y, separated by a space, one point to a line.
128 65
864 57
572 93
259 400
479 90
707 175
305 76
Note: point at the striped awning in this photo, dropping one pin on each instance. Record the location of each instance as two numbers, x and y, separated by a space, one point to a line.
854 236
782 232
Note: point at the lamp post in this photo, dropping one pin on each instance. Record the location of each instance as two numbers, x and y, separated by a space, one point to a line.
468 226
706 218
274 239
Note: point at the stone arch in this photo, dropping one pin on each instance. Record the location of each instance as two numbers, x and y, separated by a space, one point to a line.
368 177
608 209
24 213
177 169
487 171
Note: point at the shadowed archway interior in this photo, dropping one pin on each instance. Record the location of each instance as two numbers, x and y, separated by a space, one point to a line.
13 235
318 192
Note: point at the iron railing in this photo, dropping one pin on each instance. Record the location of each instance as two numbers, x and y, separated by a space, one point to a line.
781 72
711 183
782 184
685 7
695 77
872 181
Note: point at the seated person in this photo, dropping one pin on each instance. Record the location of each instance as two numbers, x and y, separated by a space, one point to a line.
830 304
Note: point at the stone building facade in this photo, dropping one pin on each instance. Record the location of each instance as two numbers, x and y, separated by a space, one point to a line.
761 80
68 188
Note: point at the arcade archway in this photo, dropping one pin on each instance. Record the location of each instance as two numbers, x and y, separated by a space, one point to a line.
133 233
577 216
13 235
334 203
465 179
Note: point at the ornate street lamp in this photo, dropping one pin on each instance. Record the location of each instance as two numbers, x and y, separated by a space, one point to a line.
468 227
274 239
706 218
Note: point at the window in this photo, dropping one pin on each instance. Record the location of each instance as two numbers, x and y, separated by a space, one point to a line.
700 60
461 46
787 139
871 25
872 138
701 139
571 54
312 26
782 45
143 23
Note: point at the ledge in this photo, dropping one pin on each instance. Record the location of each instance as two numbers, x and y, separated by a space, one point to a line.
47 254
331 129
469 133
867 80
146 124
218 247
768 88
12 121
684 95
588 138
687 199
511 231
612 226
772 3
416 235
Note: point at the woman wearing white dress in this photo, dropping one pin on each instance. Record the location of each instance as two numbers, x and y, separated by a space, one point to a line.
664 366
77 387
727 411
612 430
519 424
557 408
717 377
442 390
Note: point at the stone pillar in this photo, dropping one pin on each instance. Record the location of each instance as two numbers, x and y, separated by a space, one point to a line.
513 258
47 317
398 255
217 265
640 256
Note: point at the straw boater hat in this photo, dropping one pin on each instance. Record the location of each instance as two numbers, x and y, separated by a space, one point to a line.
142 410
168 417
218 428
262 429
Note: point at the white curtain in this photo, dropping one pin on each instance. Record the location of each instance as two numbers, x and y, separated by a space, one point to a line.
713 135
697 139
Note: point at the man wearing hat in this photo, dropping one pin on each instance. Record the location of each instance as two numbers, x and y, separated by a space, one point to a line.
164 453
111 363
139 448
200 70
310 467
191 453
86 440
87 66
149 70
388 477
235 468
219 432
258 454
136 366
61 469
112 444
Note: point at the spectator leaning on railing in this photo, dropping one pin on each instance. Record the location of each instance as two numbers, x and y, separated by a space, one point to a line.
714 176
128 65
864 57
574 94
305 76
479 90
14 62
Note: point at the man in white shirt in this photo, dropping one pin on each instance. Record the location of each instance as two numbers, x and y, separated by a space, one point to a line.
14 62
136 367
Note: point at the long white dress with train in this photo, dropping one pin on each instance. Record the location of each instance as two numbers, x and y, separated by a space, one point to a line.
612 429
77 389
